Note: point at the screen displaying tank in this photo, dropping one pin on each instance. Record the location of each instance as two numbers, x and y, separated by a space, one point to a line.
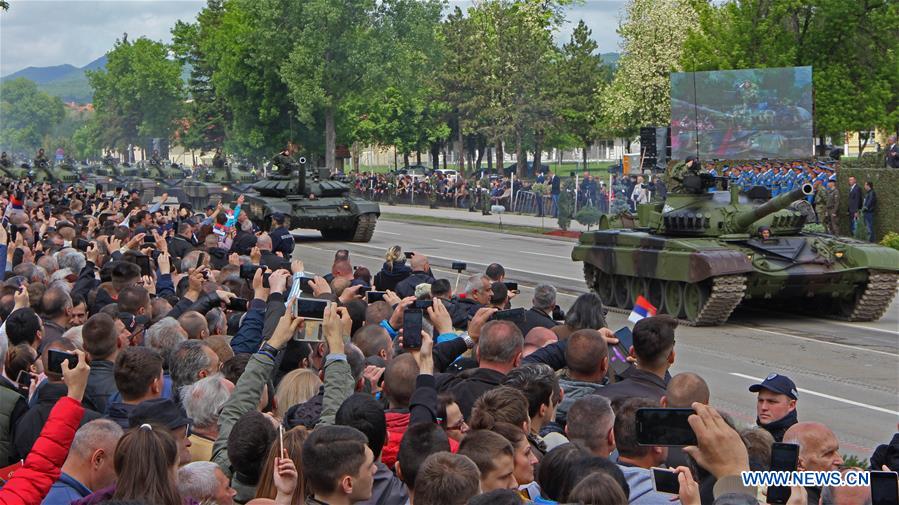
742 114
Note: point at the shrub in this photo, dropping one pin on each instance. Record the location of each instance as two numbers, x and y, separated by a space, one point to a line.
588 216
566 204
891 240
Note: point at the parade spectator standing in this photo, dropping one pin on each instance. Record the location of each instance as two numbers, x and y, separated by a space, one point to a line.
892 152
776 406
854 203
819 451
555 184
654 350
869 206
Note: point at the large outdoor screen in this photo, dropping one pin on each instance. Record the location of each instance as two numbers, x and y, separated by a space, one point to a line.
742 114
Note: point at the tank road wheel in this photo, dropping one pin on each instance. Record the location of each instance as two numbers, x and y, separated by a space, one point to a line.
695 296
602 285
365 228
654 292
674 298
621 296
870 300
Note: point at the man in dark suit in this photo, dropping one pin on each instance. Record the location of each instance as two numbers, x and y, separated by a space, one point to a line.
892 152
868 208
555 190
541 312
855 202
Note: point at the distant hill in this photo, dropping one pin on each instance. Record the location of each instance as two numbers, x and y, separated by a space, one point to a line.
65 81
610 59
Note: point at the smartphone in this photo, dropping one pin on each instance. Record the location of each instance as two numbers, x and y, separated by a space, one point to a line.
665 481
311 308
412 328
514 315
375 296
511 286
409 254
82 244
884 488
304 284
664 427
459 266
246 271
423 304
784 458
238 304
618 353
203 259
144 263
149 238
55 359
23 379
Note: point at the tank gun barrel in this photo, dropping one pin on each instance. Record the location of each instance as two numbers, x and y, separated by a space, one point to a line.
742 220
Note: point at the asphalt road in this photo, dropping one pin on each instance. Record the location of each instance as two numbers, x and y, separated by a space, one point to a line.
847 373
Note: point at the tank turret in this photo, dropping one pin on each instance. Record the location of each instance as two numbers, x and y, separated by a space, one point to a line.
743 219
311 199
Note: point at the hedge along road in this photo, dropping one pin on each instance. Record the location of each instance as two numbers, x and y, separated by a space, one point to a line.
848 371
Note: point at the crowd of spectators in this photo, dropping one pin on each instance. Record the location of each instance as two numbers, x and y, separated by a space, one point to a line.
191 379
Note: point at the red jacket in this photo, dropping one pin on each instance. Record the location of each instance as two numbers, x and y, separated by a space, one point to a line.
397 422
43 465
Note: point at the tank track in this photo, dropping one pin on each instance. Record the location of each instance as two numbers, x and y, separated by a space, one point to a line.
365 228
726 293
876 298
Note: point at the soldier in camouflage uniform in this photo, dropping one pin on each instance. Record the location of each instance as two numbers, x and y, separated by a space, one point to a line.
432 191
676 174
472 194
819 200
391 188
485 195
831 206
40 161
283 162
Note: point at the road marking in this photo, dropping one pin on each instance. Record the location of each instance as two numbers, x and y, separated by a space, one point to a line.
387 232
837 344
857 326
548 255
829 397
455 243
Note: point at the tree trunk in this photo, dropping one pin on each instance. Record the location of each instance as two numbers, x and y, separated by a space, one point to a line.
499 155
406 159
539 136
862 144
477 165
417 156
460 148
521 156
435 155
584 156
444 156
330 140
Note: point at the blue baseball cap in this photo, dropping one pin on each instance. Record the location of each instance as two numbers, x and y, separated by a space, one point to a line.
778 384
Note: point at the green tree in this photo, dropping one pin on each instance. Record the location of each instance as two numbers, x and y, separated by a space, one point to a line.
653 34
206 113
29 115
139 95
851 46
581 79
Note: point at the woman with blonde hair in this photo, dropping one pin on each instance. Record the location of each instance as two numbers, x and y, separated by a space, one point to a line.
293 449
393 271
296 387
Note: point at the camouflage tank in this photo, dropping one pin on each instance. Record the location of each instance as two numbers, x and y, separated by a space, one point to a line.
311 200
697 255
44 171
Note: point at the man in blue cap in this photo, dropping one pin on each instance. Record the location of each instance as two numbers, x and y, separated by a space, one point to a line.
776 406
282 240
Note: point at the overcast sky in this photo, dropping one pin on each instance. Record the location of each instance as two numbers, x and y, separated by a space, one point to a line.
40 33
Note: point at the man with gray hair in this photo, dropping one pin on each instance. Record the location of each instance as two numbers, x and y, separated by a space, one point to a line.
56 306
192 360
591 424
540 313
164 336
477 294
71 260
203 401
498 352
206 483
89 465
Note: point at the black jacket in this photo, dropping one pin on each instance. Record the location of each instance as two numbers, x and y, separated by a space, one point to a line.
855 199
274 261
31 424
389 277
180 246
636 384
466 387
555 185
779 427
406 287
282 241
243 242
870 204
535 318
101 384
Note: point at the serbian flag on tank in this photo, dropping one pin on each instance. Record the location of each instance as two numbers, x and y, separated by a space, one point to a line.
642 308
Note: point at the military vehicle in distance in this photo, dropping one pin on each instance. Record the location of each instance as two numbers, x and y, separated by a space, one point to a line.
310 199
698 255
